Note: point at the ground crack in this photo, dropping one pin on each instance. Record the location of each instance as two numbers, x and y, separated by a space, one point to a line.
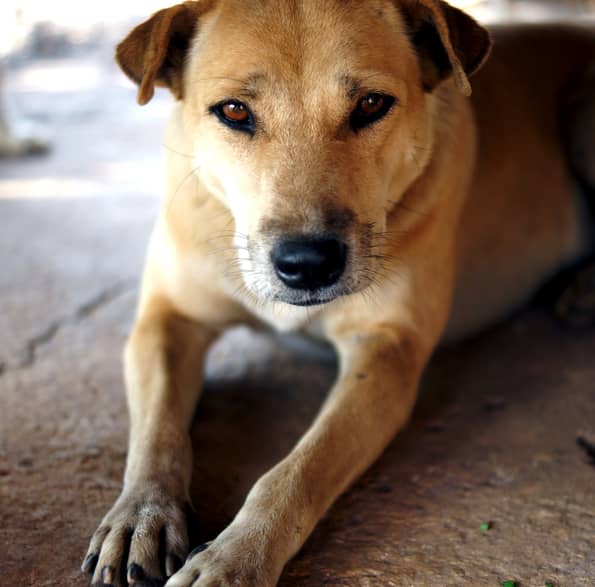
85 310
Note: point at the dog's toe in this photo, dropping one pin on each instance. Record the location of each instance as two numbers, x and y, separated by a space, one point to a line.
90 563
109 562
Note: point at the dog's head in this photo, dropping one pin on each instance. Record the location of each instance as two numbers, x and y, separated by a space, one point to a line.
309 119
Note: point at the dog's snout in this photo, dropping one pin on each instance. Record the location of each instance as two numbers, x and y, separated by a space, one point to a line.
309 264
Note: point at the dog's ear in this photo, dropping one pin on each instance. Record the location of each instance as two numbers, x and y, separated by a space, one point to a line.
447 40
154 53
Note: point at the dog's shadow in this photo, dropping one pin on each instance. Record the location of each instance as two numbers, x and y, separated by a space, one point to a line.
261 395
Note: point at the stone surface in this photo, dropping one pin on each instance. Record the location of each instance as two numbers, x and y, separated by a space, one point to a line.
494 437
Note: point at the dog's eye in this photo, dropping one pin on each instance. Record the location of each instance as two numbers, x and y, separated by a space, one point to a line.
369 109
235 114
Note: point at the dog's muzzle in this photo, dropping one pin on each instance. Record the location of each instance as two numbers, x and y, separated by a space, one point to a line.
309 264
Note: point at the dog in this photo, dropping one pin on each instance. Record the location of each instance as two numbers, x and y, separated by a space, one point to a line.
345 185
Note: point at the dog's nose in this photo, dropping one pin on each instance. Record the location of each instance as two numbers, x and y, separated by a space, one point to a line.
309 263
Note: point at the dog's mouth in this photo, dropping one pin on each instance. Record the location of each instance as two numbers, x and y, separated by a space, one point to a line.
302 298
309 298
313 301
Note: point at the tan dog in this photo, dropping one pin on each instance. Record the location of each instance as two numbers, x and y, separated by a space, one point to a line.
337 188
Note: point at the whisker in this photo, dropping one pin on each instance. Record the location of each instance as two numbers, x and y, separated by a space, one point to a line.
192 172
172 150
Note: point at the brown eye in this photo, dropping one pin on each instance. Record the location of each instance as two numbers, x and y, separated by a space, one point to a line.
235 111
371 104
235 115
369 109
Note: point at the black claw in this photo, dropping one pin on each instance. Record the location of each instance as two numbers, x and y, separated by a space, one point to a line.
90 563
137 576
135 573
198 549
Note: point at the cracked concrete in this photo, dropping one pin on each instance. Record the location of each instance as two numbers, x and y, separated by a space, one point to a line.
494 437
86 309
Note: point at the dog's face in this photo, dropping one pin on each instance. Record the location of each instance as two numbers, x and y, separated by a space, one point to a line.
309 120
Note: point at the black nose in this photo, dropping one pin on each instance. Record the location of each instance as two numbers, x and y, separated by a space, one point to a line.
309 263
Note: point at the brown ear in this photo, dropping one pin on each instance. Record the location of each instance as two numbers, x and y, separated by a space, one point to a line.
448 42
153 54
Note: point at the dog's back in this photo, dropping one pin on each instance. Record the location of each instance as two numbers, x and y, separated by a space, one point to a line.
518 228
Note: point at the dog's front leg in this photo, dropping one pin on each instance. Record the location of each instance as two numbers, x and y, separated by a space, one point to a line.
371 401
143 538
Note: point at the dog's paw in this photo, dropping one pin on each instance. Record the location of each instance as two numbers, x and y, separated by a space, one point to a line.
232 560
141 541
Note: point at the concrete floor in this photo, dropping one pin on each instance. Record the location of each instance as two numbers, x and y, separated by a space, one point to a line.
494 438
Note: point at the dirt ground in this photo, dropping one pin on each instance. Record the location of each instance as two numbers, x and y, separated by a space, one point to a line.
494 438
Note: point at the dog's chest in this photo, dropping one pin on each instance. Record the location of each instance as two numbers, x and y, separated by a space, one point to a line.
284 318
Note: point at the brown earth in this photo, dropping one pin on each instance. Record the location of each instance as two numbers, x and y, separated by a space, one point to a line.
494 437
